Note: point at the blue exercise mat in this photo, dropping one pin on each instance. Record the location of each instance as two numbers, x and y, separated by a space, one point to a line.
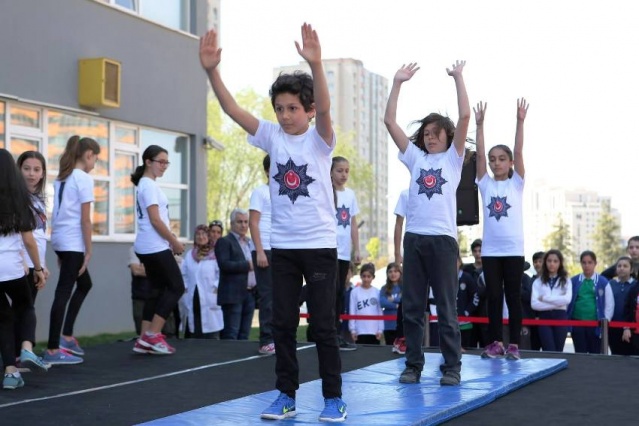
375 397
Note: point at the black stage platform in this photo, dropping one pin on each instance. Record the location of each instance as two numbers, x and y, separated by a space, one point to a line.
116 387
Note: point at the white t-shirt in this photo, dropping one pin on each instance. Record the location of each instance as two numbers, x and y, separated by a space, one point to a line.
148 240
39 233
261 202
432 195
300 185
347 208
365 301
503 223
68 197
11 266
402 204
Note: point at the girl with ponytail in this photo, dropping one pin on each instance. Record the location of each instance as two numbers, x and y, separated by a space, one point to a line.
71 231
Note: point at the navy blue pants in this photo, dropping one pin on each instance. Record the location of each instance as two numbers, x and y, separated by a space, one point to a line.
553 338
586 340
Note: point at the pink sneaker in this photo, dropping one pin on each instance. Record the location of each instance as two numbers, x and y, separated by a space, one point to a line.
494 350
267 349
156 344
512 353
139 349
399 346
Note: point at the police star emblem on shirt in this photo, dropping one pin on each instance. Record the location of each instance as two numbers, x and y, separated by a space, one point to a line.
343 216
293 180
498 207
430 182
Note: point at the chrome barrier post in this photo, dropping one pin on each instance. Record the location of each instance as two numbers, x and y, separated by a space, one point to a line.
426 342
603 323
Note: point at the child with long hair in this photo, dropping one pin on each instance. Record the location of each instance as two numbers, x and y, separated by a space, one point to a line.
390 297
347 235
551 294
502 248
434 156
621 286
71 231
16 225
155 246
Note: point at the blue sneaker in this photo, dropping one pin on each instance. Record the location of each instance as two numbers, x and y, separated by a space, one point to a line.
33 362
12 381
71 346
281 408
334 410
61 358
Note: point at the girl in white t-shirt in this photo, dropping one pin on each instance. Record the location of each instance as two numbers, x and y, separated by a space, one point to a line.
347 234
434 156
16 225
71 231
502 250
155 245
364 300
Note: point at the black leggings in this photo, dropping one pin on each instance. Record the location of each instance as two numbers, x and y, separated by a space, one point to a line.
503 276
18 320
70 264
21 308
164 275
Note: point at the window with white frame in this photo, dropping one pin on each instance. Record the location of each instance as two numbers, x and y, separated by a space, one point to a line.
171 13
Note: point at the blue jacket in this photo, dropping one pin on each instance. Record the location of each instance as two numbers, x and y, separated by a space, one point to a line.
390 307
600 296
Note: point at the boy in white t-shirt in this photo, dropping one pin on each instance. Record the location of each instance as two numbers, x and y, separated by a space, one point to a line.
434 156
303 234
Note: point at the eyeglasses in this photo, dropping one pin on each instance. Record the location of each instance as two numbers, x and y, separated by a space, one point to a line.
216 223
162 162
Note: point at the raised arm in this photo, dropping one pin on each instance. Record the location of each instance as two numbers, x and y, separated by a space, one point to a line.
463 106
311 51
404 73
522 109
210 57
480 113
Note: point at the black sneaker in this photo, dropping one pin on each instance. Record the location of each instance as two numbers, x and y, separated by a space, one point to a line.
410 375
344 345
450 378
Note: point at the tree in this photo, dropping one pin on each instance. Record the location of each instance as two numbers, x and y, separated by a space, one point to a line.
463 243
607 237
373 247
560 239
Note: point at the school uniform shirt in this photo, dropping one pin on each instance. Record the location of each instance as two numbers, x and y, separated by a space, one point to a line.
261 202
402 204
432 199
300 187
620 292
503 223
347 208
365 301
68 197
148 240
390 306
556 296
39 233
205 276
11 266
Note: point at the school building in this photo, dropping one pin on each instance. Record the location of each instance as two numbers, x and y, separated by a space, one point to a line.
125 73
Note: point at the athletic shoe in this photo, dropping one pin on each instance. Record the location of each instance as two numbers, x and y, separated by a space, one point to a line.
157 344
281 408
399 346
410 375
267 349
71 346
512 352
139 349
494 350
334 410
450 378
344 345
12 381
33 362
61 357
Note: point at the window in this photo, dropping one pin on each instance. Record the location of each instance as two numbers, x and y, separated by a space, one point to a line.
2 109
172 13
124 193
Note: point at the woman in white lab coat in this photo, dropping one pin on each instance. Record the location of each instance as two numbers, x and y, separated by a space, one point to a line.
201 315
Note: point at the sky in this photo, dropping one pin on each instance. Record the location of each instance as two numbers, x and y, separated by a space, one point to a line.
576 63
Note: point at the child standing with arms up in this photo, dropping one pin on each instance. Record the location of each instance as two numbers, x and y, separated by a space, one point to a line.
347 235
365 301
303 232
16 225
71 231
502 250
434 155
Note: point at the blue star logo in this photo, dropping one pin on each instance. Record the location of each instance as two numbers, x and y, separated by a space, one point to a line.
498 207
293 180
343 216
430 182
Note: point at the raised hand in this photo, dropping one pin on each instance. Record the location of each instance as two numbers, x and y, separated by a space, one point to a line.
210 53
311 50
458 68
406 72
522 109
480 112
